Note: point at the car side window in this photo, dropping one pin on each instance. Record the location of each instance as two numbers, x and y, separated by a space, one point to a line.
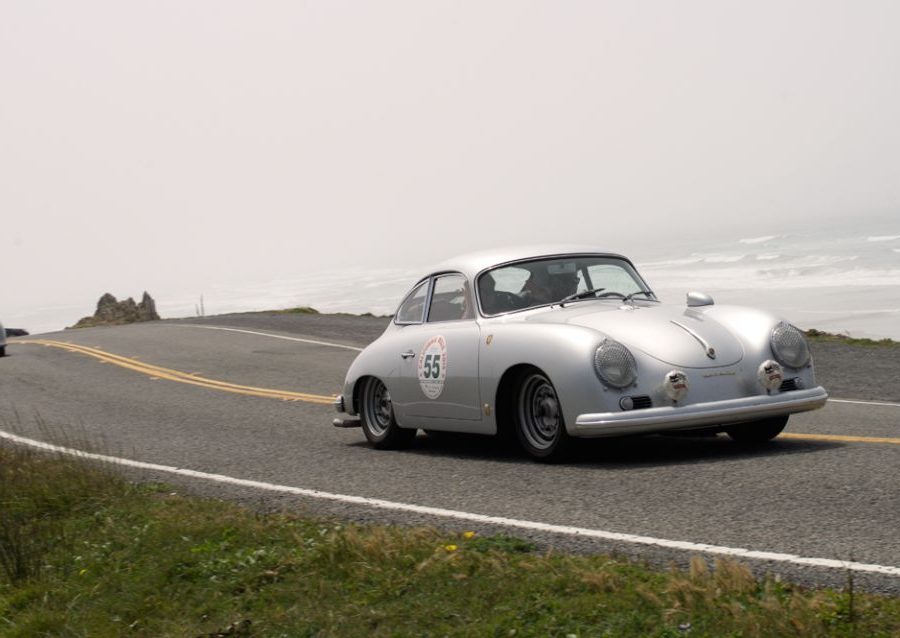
412 310
450 299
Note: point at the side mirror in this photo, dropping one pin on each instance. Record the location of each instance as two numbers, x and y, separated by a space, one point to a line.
695 299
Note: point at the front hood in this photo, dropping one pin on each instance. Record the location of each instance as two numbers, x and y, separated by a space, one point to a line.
676 335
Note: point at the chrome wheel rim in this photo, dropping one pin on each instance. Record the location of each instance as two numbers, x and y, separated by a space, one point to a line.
379 409
539 412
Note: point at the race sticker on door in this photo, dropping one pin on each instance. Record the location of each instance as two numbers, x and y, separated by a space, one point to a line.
432 367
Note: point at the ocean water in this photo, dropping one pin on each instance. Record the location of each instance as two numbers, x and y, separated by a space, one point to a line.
839 279
846 282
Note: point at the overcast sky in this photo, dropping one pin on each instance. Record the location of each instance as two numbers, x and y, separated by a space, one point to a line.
145 145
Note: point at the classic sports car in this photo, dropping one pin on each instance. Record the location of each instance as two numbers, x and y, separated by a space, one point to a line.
549 345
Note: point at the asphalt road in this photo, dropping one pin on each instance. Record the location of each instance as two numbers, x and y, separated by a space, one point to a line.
829 498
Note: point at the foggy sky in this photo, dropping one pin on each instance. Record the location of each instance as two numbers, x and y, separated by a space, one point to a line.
155 145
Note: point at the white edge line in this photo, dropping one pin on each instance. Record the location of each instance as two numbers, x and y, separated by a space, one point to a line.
467 516
274 336
860 402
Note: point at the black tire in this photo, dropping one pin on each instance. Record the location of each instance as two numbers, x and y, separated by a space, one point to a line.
377 416
538 418
2 351
756 432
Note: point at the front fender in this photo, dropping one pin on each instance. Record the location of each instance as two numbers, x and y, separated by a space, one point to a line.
563 352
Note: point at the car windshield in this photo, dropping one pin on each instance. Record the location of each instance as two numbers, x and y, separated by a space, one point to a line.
540 282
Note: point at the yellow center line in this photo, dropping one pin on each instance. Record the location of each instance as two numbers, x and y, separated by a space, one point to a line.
839 437
159 372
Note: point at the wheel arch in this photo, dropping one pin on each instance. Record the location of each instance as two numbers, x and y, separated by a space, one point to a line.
358 386
505 397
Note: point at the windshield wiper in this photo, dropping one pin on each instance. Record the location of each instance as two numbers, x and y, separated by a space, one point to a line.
580 295
647 293
587 293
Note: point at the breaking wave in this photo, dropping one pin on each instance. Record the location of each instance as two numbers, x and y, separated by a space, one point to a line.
758 240
883 238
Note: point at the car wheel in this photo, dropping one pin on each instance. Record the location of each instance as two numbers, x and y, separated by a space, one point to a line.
539 420
2 351
377 417
757 431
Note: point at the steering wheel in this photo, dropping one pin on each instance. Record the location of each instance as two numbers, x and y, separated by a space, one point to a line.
509 301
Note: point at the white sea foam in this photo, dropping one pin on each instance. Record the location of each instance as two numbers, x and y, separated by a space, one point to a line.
667 263
883 238
758 240
810 272
718 258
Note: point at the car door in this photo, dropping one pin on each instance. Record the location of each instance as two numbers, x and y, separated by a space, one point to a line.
439 369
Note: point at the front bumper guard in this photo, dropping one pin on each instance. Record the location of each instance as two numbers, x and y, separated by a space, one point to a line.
699 414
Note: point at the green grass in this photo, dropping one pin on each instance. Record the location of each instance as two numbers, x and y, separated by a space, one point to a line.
104 557
819 335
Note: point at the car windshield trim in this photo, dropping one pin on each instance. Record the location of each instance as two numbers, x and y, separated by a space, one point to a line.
629 268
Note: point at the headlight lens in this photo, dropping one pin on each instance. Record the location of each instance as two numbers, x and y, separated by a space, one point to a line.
614 364
789 346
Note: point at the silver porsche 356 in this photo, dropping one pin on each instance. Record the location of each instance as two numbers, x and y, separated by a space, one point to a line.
549 345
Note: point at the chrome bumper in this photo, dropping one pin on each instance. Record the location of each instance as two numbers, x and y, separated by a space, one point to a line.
700 414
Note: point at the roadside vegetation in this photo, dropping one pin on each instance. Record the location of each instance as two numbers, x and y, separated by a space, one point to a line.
308 310
299 310
83 552
821 336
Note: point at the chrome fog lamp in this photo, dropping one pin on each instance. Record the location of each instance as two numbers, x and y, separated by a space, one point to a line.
676 385
614 364
770 375
789 346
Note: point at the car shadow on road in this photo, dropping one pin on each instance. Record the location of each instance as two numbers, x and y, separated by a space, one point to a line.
634 451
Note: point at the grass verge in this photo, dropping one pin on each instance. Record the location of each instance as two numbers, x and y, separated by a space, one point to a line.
83 552
821 336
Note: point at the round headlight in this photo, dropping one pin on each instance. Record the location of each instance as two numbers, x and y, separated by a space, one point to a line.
614 364
789 346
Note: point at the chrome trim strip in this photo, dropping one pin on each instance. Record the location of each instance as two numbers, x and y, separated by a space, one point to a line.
710 351
711 413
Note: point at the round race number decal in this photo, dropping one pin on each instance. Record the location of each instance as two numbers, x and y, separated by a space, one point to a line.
432 367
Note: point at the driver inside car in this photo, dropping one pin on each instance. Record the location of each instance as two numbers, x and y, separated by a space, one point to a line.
542 287
563 284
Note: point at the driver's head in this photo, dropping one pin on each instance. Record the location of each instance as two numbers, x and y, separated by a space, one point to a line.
538 285
563 284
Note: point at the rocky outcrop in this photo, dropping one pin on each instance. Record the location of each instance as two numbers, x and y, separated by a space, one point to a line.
111 312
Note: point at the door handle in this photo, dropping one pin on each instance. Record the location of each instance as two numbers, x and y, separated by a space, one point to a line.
408 354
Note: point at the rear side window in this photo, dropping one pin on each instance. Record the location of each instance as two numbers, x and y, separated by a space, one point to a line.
412 310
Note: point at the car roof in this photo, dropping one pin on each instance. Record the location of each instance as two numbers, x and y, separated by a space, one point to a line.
471 264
